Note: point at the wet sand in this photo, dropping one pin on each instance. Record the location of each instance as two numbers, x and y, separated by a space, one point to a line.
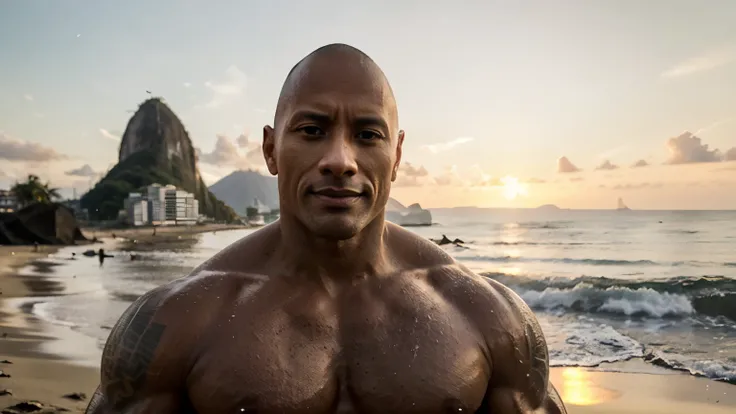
38 375
34 374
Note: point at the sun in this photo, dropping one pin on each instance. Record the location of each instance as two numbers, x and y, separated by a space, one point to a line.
512 188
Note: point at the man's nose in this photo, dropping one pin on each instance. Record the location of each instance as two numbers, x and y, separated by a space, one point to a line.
339 160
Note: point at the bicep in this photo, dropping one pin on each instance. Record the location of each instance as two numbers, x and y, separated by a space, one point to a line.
520 378
130 353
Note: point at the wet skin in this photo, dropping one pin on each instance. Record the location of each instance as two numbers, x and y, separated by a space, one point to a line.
330 309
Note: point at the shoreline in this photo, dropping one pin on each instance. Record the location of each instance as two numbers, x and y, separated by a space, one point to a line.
35 375
634 386
28 342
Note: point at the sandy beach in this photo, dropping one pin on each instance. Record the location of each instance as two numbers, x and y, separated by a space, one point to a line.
39 376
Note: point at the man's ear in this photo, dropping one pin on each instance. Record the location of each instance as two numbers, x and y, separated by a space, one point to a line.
398 155
269 149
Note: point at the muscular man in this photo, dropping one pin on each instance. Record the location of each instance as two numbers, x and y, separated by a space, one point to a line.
330 309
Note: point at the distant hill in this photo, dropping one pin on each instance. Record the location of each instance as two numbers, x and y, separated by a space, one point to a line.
155 148
548 207
240 188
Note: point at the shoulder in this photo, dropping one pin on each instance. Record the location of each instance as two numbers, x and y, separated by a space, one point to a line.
249 254
513 336
154 344
415 251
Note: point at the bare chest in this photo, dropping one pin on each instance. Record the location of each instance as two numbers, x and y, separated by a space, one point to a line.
379 358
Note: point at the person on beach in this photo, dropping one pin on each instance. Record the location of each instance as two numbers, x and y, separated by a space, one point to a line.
330 308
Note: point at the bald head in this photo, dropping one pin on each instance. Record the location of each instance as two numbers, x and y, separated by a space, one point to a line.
331 67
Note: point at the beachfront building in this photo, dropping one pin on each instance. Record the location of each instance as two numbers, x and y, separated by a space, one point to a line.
8 201
156 196
162 206
181 207
136 208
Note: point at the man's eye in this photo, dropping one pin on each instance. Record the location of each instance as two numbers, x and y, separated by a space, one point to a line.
311 130
369 135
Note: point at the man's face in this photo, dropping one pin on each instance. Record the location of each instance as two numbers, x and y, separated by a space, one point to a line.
336 146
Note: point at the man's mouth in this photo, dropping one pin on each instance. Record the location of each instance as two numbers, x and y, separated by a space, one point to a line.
337 197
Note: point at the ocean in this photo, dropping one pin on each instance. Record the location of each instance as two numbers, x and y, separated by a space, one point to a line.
606 286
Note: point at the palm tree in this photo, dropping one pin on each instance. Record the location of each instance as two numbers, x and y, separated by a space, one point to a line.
33 191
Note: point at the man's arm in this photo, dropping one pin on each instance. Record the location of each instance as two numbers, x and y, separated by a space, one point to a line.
520 377
139 370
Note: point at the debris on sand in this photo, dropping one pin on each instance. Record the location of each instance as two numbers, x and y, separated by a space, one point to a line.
24 407
77 396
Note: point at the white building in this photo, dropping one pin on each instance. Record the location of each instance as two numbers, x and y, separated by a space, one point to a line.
136 208
180 206
156 196
163 205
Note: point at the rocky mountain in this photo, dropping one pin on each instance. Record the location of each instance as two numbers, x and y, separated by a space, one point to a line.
239 189
155 148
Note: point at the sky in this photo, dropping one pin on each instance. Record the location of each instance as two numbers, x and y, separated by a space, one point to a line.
504 104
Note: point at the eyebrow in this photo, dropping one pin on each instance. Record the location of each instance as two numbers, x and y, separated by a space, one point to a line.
323 117
319 117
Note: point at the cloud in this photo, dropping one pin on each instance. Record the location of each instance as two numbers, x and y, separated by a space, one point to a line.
576 179
227 154
686 148
109 135
565 166
13 149
243 141
28 97
447 145
231 87
410 175
479 178
640 164
83 171
705 62
606 166
451 176
730 155
187 84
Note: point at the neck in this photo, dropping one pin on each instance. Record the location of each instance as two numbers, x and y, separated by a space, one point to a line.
363 255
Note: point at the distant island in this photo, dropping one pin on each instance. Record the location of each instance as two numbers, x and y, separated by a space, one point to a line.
548 207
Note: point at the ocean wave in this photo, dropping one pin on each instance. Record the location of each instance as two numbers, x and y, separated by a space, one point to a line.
624 301
530 243
535 225
587 261
563 260
678 297
716 370
585 344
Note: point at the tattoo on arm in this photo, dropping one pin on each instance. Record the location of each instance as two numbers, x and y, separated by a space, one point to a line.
96 403
129 351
